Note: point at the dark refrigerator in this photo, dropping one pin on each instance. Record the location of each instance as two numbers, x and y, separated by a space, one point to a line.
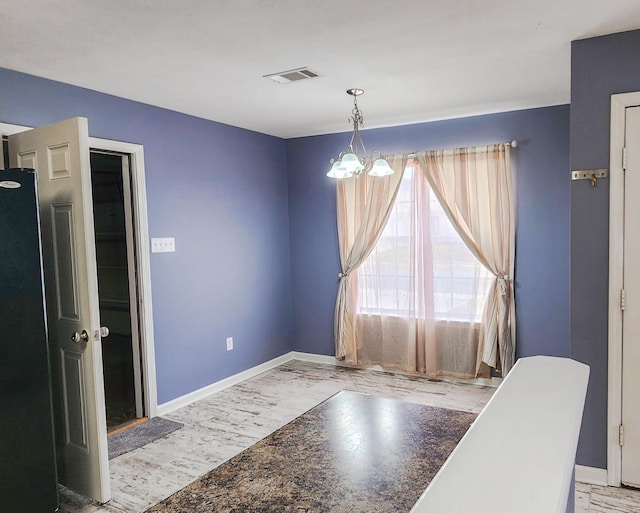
27 454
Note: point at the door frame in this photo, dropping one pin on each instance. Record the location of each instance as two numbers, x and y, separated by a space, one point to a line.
141 240
619 104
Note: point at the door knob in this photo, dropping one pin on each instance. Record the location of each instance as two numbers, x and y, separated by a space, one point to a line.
104 331
80 337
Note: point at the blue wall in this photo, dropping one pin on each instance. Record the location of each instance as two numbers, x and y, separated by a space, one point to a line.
541 164
222 193
600 67
254 221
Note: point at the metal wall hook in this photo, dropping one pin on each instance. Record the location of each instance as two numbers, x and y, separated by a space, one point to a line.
589 174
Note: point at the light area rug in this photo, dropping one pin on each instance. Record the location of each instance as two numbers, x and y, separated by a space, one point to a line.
140 435
352 453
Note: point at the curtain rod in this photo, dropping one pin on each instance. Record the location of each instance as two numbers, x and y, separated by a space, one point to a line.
512 144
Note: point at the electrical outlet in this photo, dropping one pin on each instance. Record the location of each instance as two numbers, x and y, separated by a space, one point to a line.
229 343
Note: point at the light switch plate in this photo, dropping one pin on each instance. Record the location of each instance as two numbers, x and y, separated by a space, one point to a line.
163 245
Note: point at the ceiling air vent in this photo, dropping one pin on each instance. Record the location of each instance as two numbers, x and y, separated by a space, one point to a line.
292 75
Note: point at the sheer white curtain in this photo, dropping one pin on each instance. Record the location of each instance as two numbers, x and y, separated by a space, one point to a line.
475 188
420 291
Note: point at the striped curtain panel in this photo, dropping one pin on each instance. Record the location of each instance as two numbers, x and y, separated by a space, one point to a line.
363 207
475 188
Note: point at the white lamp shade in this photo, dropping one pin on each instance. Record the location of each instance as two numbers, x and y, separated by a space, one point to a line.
380 168
351 163
337 171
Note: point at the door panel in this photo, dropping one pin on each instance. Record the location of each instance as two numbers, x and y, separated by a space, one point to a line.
27 159
631 315
60 155
64 252
73 399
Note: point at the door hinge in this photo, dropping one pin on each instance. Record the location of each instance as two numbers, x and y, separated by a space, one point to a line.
623 299
621 435
624 158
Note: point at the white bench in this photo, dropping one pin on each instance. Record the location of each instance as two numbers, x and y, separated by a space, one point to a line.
519 454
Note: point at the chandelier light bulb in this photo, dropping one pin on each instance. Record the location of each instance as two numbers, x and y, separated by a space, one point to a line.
337 171
351 163
380 168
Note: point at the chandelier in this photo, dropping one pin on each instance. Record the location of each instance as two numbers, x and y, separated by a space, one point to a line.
354 161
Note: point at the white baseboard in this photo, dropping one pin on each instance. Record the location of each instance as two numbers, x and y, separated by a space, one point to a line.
591 475
201 393
196 395
316 358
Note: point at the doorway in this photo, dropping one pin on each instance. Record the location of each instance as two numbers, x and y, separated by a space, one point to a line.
137 181
117 287
64 148
623 443
630 444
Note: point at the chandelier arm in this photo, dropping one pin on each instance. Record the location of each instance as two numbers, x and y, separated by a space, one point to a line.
364 150
353 143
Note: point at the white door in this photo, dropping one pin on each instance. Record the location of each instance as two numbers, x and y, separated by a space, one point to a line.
60 155
631 315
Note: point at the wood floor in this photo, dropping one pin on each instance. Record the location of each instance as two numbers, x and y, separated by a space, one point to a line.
224 424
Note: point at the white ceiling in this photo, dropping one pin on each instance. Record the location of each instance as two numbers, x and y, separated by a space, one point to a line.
416 60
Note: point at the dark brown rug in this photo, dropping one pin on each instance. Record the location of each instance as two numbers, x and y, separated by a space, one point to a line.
351 453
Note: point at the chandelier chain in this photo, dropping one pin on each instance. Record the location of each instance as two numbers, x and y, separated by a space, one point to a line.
357 120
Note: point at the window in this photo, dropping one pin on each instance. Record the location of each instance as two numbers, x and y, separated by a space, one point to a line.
419 246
